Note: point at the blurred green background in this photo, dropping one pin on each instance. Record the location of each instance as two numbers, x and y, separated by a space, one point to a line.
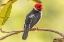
53 18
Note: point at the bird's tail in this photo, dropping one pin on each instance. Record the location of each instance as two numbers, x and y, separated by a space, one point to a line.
25 34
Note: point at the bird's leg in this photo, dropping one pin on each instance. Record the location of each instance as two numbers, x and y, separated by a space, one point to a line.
36 28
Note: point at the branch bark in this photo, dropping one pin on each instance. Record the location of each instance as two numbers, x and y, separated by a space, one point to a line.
33 29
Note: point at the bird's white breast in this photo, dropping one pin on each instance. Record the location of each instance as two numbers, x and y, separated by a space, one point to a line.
41 14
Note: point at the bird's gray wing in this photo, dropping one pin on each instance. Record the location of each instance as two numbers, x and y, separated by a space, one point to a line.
35 20
27 26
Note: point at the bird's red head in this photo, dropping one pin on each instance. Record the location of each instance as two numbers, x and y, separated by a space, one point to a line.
38 6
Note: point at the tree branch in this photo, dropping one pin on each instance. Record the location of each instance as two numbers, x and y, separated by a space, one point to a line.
33 29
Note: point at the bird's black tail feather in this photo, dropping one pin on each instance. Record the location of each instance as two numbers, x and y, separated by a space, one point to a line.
25 34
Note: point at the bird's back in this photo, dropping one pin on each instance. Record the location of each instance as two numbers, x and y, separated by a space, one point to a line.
34 17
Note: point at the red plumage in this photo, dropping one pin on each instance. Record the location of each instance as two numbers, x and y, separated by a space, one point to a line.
38 6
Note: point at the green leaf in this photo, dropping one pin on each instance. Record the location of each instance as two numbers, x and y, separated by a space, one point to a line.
5 12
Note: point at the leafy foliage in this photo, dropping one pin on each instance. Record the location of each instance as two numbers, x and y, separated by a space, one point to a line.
5 12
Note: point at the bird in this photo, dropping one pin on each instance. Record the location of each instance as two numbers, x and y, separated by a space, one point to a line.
32 19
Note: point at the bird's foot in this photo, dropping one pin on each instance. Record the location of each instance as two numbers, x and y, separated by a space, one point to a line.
36 29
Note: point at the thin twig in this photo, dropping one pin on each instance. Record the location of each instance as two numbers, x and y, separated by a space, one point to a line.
39 29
